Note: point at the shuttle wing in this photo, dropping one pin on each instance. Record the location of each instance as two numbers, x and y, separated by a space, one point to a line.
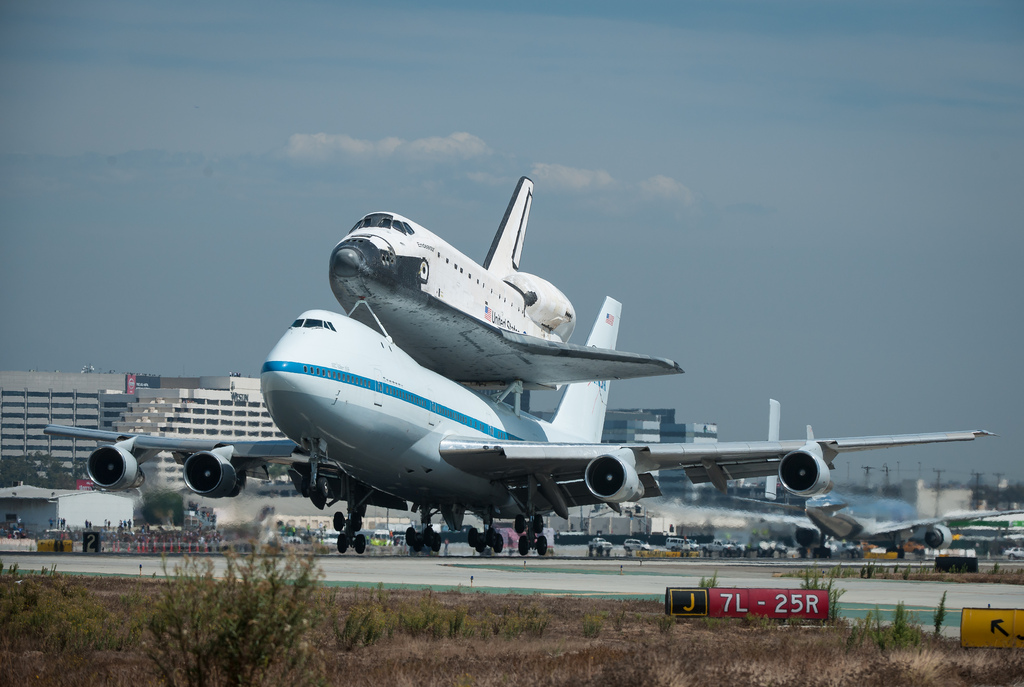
464 349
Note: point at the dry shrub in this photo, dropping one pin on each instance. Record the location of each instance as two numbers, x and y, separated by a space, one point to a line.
424 651
248 628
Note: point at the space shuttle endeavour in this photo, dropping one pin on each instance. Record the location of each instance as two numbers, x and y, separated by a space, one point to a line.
486 325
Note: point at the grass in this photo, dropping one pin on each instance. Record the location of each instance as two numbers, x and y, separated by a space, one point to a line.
814 579
919 573
59 630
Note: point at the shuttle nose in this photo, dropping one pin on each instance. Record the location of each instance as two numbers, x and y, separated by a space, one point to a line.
346 262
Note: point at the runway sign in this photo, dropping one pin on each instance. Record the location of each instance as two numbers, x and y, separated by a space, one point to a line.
993 627
716 602
686 602
91 541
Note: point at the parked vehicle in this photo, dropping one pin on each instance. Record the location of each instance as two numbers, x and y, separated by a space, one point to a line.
1014 553
772 549
680 544
713 548
599 547
634 545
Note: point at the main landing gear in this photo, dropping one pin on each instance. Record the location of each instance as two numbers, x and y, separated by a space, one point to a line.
347 532
488 538
528 537
427 537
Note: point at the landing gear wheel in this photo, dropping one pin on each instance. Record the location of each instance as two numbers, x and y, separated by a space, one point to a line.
538 524
359 543
342 543
520 525
357 521
542 545
481 544
435 543
498 544
524 545
416 542
339 522
473 536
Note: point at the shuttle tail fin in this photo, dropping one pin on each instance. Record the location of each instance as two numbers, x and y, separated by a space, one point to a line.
507 247
582 408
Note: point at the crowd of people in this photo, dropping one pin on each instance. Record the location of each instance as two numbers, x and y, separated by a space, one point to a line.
13 530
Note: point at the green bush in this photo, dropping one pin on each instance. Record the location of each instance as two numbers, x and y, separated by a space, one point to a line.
592 624
940 615
813 579
709 581
245 629
901 633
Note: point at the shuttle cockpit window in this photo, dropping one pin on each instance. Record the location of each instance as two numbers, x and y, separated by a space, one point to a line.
382 221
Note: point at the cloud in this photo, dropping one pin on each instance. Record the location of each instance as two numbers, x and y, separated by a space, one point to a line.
570 178
666 188
323 147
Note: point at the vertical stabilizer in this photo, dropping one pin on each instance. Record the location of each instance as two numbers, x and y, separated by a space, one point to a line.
582 409
507 247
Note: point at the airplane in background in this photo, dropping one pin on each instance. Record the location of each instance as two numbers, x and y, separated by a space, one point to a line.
887 522
490 325
370 425
884 522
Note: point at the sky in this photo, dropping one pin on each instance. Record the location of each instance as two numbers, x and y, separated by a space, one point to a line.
818 202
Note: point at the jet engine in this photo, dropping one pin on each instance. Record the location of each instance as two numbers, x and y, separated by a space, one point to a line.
938 537
545 304
613 477
211 474
804 471
806 537
114 467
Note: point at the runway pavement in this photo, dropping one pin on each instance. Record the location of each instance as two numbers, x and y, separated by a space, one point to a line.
618 578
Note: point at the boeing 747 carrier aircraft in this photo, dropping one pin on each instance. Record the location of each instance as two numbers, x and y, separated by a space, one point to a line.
370 425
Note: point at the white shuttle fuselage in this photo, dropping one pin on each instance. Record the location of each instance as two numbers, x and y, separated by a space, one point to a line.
387 258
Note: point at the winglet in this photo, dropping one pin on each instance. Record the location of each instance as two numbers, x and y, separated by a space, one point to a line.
507 246
771 483
774 418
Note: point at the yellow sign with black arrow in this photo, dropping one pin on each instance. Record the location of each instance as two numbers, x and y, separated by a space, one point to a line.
993 627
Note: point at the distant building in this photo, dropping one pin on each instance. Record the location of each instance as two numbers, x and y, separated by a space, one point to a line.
230 407
225 407
31 400
658 425
37 510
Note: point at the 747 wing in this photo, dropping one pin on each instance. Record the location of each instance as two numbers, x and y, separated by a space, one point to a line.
616 473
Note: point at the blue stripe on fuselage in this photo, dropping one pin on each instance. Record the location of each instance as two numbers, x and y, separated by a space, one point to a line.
395 392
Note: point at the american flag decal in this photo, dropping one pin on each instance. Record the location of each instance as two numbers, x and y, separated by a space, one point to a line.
487 314
609 318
